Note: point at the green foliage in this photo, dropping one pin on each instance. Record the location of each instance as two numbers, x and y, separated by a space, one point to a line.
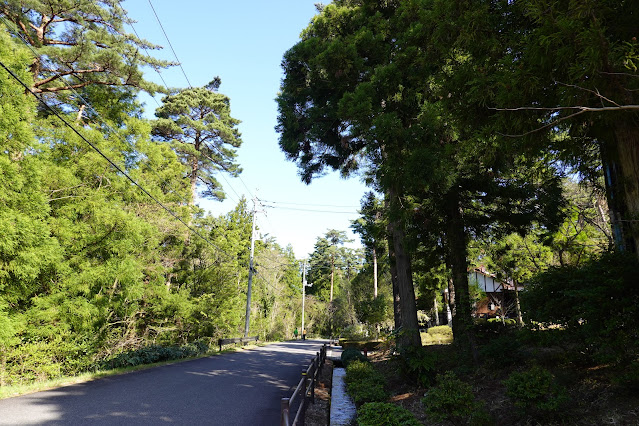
384 413
421 365
504 350
364 383
198 124
155 353
537 393
596 302
87 37
453 400
351 354
363 344
628 377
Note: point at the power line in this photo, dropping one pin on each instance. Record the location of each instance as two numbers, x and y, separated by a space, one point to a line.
311 210
170 45
111 162
155 68
308 204
190 86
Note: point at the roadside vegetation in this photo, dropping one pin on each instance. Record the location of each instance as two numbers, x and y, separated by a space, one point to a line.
499 137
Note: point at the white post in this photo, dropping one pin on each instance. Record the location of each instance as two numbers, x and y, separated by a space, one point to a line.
303 295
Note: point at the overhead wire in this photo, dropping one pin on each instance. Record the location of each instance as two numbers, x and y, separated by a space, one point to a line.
311 204
214 148
312 210
170 45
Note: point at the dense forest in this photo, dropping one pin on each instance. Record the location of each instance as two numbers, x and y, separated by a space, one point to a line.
497 136
104 251
500 135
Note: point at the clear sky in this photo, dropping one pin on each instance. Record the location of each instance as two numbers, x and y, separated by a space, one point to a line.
243 42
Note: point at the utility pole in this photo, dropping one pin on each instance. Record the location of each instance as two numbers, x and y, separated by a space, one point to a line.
250 277
303 294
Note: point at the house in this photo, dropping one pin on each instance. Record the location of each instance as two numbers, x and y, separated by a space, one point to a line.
500 297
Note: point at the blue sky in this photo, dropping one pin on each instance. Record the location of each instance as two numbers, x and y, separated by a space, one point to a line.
243 42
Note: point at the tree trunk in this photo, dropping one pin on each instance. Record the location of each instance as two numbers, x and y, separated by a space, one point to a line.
397 313
410 326
457 257
627 138
436 308
194 170
332 275
520 319
374 273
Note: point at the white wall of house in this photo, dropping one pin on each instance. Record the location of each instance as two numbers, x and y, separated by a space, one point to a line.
486 282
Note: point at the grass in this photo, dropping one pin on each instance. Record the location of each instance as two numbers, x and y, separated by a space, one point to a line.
436 339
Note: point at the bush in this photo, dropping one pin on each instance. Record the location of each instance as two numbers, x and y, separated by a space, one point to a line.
597 302
384 413
502 351
364 383
351 354
535 392
453 400
421 365
628 378
369 345
155 353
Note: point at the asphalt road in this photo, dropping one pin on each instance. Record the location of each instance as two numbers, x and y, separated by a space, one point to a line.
241 388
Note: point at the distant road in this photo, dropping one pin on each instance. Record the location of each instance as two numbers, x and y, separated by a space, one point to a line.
241 388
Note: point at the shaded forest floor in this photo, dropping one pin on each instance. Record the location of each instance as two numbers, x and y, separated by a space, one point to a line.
594 395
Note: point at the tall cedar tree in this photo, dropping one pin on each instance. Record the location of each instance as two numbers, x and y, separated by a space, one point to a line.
365 86
579 60
337 111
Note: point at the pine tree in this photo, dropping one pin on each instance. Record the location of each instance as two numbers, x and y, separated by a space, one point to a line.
199 125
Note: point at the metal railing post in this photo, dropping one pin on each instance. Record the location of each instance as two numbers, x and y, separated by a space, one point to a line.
285 409
303 401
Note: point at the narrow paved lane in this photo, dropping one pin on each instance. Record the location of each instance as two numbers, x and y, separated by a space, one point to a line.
242 388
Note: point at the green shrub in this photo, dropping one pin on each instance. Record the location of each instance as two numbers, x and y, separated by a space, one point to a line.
453 400
384 413
441 329
359 370
364 383
536 392
367 391
597 302
155 353
502 351
435 339
506 321
369 345
628 378
421 365
351 354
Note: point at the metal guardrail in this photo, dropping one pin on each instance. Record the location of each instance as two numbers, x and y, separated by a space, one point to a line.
236 340
304 389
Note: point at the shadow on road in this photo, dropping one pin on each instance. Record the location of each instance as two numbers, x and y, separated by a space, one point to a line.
240 388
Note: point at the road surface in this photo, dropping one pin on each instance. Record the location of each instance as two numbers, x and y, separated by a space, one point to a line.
241 388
